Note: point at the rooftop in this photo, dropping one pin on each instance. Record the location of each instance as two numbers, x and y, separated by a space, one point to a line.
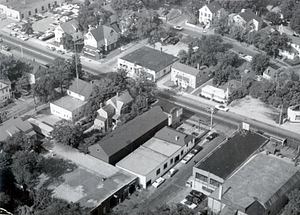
259 180
230 155
248 15
21 5
185 68
166 106
69 103
150 58
81 87
161 146
214 6
71 27
173 136
13 126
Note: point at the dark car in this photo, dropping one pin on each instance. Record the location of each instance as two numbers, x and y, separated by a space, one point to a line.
174 41
212 136
196 149
198 194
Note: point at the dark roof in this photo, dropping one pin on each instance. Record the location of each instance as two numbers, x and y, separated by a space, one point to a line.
214 6
166 106
150 58
185 68
71 27
13 126
103 31
109 109
115 26
81 87
223 161
131 131
248 15
169 134
123 97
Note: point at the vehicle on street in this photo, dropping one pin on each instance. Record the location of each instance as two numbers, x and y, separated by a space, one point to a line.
209 109
158 182
60 52
177 27
196 149
171 172
24 38
212 136
187 158
188 203
222 107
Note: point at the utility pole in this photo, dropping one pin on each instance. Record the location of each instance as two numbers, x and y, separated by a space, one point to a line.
21 50
211 118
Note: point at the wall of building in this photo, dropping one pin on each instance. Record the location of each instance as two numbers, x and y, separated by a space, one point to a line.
215 205
5 92
75 95
58 34
205 15
174 117
66 114
293 115
191 79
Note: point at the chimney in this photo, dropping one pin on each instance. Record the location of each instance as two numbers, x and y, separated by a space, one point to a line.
176 138
101 104
243 10
117 94
220 192
160 49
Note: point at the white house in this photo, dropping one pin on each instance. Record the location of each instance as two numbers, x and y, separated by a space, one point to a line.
214 93
71 107
71 28
148 62
5 90
209 12
247 19
293 113
295 49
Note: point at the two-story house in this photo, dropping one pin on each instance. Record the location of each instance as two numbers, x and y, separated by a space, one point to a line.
71 107
101 39
5 90
294 51
71 28
247 19
209 12
114 108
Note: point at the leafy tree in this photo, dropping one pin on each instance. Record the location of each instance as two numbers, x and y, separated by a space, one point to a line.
293 205
67 42
260 63
295 20
27 27
44 89
120 5
273 17
17 142
67 133
221 23
87 3
59 206
23 83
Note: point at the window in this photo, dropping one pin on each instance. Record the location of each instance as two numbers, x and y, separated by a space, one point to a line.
55 2
205 14
49 6
208 15
35 10
22 16
43 7
181 153
207 189
201 177
166 165
171 161
214 182
29 13
157 172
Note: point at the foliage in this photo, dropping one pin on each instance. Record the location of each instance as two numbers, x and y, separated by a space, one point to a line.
68 133
73 63
273 17
27 27
44 89
293 205
176 209
121 5
67 42
295 20
260 63
220 24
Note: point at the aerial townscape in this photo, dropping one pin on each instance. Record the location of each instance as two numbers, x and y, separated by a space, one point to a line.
150 107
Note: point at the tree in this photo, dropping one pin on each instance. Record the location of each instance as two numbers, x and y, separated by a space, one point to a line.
27 27
44 89
260 63
295 20
67 42
66 132
26 168
293 205
221 23
273 17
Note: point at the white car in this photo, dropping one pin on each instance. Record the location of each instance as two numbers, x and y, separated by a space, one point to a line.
178 27
222 107
171 172
189 204
187 158
158 182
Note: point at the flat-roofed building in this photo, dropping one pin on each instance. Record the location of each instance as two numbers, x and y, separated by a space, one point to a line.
148 62
214 93
213 170
19 10
259 187
156 156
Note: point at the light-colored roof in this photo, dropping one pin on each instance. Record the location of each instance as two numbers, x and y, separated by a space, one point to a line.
150 58
69 103
185 68
72 28
161 146
270 71
147 160
81 87
173 136
295 40
260 179
123 97
13 126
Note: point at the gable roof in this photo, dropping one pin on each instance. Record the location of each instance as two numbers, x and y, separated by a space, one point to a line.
248 15
13 126
131 131
270 71
185 68
173 136
71 27
103 31
123 97
150 58
214 6
81 87
109 110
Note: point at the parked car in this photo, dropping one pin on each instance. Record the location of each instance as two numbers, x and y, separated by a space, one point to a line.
198 194
158 182
61 52
196 149
5 47
187 158
212 136
24 38
171 172
177 27
222 107
188 203
209 109
174 41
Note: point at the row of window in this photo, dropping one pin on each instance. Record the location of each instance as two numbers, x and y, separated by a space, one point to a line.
205 179
36 10
171 162
4 90
205 14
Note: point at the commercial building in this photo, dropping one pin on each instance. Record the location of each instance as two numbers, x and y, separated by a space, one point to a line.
293 113
259 187
19 10
5 90
148 62
213 170
156 156
71 107
128 137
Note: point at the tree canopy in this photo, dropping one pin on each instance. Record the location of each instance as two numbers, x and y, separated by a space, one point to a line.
260 63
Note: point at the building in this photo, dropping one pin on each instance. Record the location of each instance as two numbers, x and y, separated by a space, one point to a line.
213 170
148 62
5 90
247 19
71 28
71 107
19 10
231 86
293 113
156 156
114 108
209 12
259 187
294 51
187 76
126 138
173 112
36 71
101 39
270 73
41 127
16 125
214 93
